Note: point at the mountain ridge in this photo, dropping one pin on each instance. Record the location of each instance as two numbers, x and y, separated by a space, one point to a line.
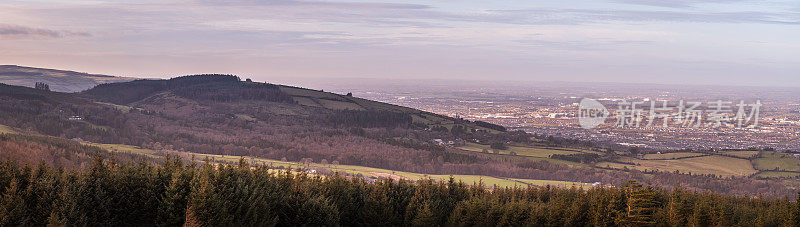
58 80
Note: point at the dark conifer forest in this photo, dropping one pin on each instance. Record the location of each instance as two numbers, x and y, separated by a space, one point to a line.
109 193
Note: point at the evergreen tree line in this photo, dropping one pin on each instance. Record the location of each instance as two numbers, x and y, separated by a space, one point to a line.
42 86
204 87
368 119
54 151
109 193
490 126
234 91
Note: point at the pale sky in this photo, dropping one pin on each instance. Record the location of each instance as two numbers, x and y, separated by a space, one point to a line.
729 42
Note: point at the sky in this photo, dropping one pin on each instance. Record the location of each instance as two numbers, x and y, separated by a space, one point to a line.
719 42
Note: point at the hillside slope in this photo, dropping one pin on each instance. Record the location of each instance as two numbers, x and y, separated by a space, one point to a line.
230 89
222 115
59 80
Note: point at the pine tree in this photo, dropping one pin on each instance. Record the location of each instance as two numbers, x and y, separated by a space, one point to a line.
640 204
702 213
472 212
42 86
201 203
678 208
175 201
424 216
796 210
13 205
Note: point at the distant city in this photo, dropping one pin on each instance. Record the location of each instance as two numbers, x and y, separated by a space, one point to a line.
551 108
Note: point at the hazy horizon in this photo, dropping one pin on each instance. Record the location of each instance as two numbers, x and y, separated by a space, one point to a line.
706 42
329 83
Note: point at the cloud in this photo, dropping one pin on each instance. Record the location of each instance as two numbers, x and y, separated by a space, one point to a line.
22 32
583 16
674 3
424 16
582 46
375 5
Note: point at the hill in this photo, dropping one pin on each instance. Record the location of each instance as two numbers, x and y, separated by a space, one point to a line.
229 89
58 80
224 116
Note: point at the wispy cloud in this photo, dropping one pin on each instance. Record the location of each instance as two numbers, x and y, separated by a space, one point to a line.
410 37
675 3
374 5
22 32
583 16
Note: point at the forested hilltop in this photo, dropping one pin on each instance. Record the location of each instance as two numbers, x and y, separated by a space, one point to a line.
108 193
220 117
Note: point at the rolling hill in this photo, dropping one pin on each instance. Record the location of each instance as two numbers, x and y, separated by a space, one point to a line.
59 80
223 116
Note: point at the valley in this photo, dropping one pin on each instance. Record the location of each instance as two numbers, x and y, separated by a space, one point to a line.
224 118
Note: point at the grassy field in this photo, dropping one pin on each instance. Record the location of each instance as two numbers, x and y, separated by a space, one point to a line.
776 174
742 154
122 108
294 91
305 101
119 148
533 153
350 169
332 101
538 152
320 99
566 184
246 117
769 160
339 105
382 106
6 129
417 119
718 165
672 155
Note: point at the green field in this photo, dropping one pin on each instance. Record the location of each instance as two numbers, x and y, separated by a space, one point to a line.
563 184
332 101
119 148
769 160
246 117
775 174
538 152
339 105
6 129
294 91
417 119
742 154
122 108
350 169
715 164
305 101
468 179
672 155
